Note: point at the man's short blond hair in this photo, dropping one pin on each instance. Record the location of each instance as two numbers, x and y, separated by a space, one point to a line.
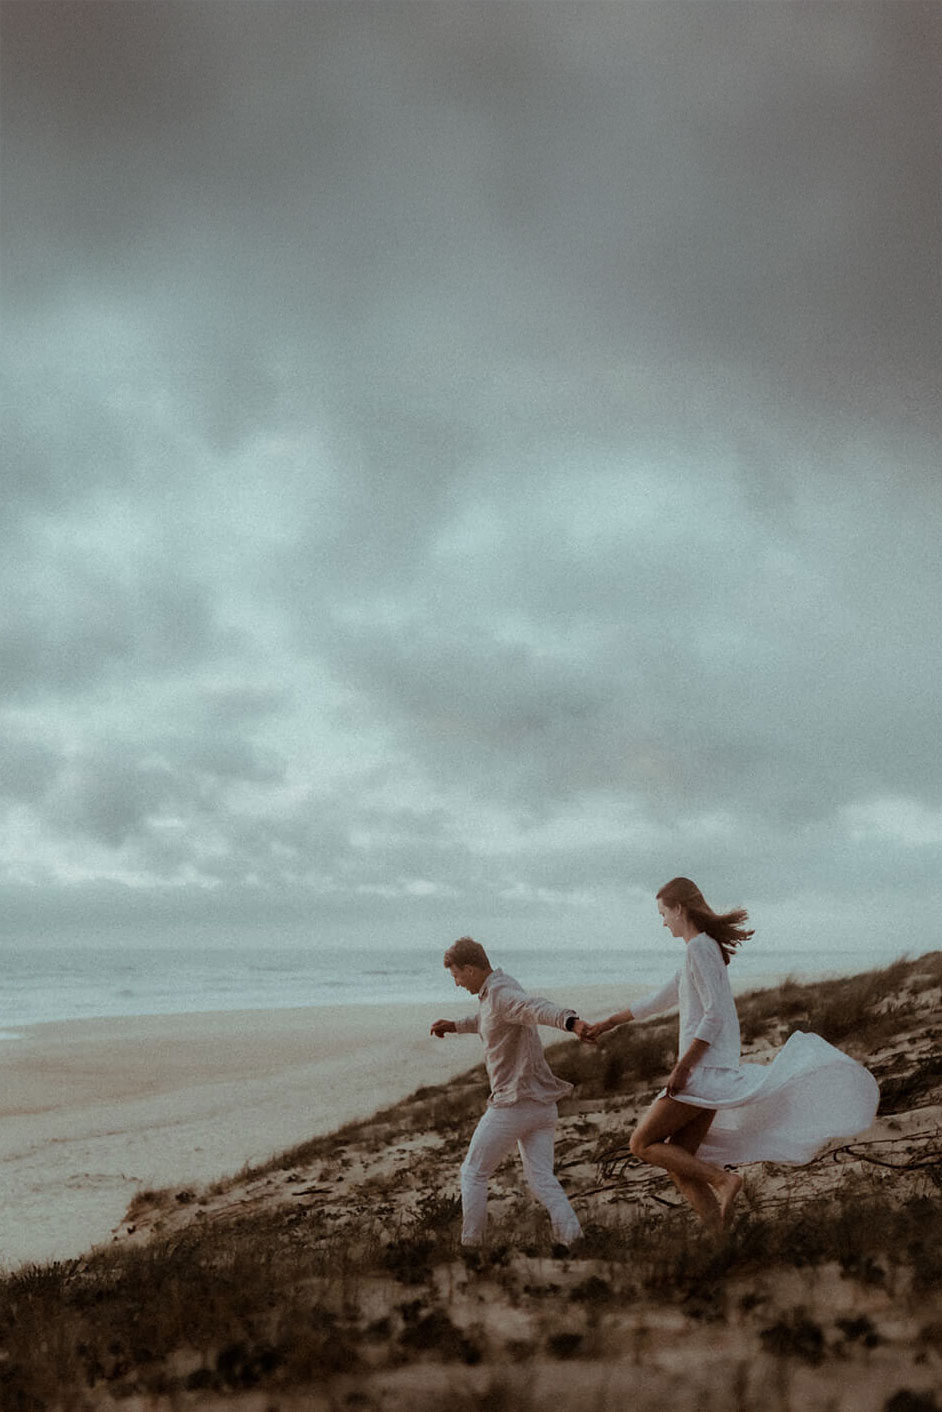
467 952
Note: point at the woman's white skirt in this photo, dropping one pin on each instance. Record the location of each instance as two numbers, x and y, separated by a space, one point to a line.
784 1111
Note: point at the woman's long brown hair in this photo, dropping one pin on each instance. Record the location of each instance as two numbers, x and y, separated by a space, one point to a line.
726 929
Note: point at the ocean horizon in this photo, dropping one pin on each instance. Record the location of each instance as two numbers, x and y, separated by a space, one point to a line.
60 983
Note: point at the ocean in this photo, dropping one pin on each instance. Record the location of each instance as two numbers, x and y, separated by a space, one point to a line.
42 983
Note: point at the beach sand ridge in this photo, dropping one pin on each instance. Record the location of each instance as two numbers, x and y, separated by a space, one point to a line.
331 1276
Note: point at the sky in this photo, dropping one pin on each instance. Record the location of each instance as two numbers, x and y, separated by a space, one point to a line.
466 463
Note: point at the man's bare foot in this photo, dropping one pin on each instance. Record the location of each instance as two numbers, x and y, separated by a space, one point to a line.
727 1192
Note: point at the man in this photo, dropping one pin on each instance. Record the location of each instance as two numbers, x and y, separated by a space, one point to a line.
521 1108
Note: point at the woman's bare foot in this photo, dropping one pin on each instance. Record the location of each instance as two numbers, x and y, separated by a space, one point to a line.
727 1192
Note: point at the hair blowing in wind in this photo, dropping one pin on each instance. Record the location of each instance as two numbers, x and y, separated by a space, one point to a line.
725 928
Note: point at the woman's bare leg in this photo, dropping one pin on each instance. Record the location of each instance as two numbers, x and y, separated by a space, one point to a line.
654 1141
698 1194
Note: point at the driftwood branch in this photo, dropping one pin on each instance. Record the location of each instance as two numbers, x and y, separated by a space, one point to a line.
618 1170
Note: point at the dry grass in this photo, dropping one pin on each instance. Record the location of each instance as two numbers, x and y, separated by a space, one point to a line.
280 1303
317 1299
856 1012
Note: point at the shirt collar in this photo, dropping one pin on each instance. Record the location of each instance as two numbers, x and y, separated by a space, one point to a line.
496 971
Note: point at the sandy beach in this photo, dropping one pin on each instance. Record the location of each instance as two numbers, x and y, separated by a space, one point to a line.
95 1111
333 1276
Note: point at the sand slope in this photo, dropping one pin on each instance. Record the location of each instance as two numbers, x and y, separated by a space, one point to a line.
93 1111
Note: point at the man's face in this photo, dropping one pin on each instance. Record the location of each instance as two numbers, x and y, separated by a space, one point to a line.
468 977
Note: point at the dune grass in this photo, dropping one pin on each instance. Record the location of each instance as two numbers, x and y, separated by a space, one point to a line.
274 1302
289 1298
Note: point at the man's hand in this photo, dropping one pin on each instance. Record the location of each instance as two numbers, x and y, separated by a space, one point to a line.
443 1027
583 1031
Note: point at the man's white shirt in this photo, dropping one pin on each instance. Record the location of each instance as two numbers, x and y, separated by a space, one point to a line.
507 1020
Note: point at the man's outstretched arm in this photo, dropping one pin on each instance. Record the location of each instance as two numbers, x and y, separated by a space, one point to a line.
523 1009
468 1024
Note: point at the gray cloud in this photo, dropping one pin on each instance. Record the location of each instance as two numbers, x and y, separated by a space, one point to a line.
437 425
70 619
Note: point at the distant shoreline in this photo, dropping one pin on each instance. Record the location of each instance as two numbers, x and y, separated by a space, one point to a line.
527 969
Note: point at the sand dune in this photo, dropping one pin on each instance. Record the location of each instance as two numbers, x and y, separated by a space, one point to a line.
331 1275
93 1111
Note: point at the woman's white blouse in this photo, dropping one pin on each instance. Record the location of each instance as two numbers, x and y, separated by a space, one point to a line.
707 1009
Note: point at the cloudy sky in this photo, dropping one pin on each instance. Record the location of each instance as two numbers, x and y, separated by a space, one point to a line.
468 462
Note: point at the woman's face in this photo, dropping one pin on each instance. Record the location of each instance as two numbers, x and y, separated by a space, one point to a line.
674 917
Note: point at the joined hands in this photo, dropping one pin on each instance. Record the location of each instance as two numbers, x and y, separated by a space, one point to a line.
594 1032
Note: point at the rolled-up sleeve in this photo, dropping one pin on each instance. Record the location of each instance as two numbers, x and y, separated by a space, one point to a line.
664 999
706 970
468 1024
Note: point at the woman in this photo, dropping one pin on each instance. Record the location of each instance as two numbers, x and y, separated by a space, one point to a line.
715 1108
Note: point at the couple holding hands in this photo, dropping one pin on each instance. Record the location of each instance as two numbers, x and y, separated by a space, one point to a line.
714 1112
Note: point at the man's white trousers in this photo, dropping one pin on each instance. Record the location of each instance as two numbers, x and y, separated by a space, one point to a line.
532 1127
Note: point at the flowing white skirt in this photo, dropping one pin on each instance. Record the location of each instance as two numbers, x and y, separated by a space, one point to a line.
784 1111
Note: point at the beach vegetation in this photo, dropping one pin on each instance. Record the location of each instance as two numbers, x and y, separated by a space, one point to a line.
255 1304
905 1400
338 1263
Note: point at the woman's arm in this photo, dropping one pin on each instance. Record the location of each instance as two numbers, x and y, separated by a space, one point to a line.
708 972
680 1074
663 999
613 1021
709 976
